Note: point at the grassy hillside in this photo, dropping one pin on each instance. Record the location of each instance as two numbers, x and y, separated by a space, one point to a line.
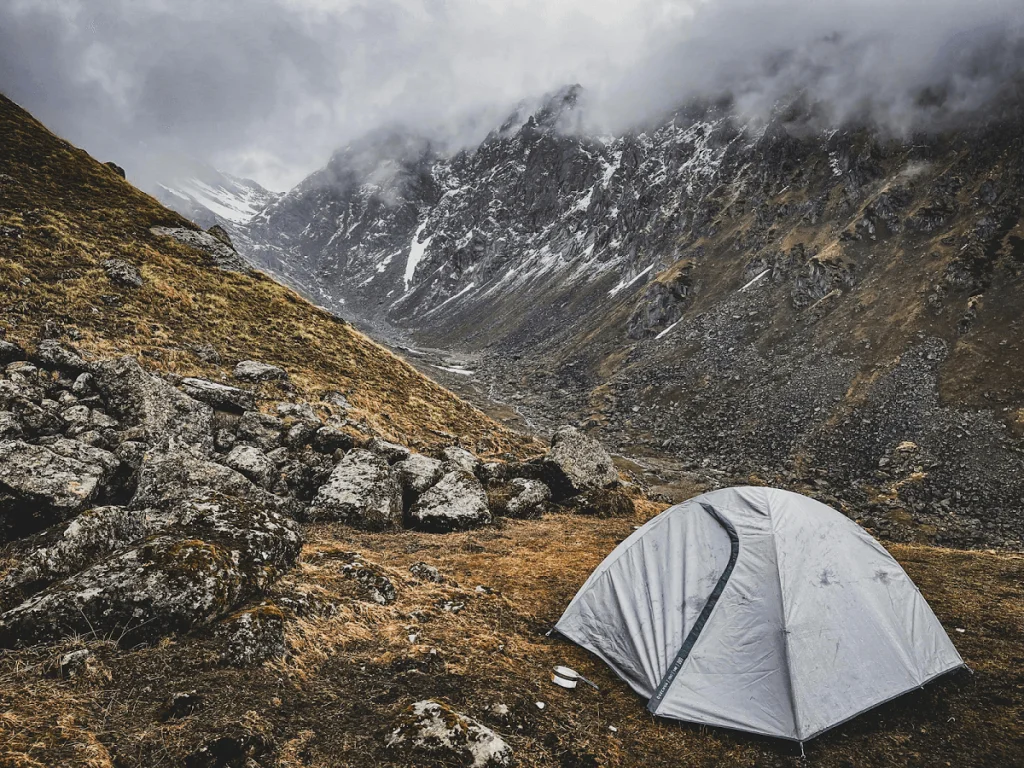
333 701
62 214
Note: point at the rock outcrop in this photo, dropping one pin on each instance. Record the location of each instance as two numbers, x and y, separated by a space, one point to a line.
456 502
361 491
577 463
432 729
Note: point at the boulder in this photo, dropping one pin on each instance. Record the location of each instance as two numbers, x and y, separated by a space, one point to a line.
52 354
459 458
303 474
300 411
424 572
361 491
168 418
331 439
213 553
528 498
391 452
457 502
10 426
252 370
416 475
252 463
40 485
252 636
434 730
165 480
66 549
220 396
261 430
221 254
122 273
577 463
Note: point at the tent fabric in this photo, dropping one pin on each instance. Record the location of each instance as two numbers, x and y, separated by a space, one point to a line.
760 610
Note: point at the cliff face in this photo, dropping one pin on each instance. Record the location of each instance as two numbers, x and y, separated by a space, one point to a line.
773 300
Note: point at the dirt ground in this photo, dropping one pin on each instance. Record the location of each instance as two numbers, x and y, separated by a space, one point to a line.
352 669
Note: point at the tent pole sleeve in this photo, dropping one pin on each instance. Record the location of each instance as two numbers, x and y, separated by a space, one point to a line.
702 619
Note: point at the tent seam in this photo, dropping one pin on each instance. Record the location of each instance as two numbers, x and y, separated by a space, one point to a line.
785 627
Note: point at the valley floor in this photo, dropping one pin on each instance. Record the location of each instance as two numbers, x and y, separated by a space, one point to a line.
477 642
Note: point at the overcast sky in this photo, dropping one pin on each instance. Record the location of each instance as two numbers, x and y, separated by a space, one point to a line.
269 88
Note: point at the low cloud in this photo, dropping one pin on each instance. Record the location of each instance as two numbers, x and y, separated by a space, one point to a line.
269 88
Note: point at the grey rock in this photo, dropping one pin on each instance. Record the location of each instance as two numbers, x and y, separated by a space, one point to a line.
122 273
168 418
216 553
76 663
224 440
457 502
529 498
577 463
53 354
10 426
65 549
416 475
253 370
252 463
330 439
361 491
83 385
166 480
220 396
300 411
131 453
431 729
391 452
300 434
459 458
41 485
424 572
252 636
303 474
222 255
261 430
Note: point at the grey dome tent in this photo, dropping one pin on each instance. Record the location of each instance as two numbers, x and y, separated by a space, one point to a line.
759 610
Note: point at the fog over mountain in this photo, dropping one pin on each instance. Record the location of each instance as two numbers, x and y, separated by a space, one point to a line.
269 88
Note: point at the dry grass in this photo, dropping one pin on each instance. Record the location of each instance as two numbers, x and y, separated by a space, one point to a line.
70 213
350 672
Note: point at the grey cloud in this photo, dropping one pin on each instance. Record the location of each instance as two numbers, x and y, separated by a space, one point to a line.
269 88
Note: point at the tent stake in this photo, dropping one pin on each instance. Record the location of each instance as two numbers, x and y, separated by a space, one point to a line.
803 755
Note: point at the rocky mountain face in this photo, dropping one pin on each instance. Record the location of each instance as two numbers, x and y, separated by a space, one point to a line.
210 197
832 310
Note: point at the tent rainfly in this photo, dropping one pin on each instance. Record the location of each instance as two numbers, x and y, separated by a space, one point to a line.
759 610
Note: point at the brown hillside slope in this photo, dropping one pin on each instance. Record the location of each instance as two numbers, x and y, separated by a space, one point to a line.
62 214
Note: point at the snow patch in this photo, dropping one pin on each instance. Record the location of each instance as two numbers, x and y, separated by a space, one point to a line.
624 284
416 252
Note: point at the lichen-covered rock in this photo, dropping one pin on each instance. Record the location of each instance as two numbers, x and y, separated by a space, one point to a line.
577 463
493 472
52 354
425 572
211 554
330 439
456 502
62 550
220 396
10 426
122 273
416 475
260 429
303 474
166 479
361 491
459 458
433 729
252 463
528 498
390 452
221 254
168 418
253 370
299 411
40 485
252 636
